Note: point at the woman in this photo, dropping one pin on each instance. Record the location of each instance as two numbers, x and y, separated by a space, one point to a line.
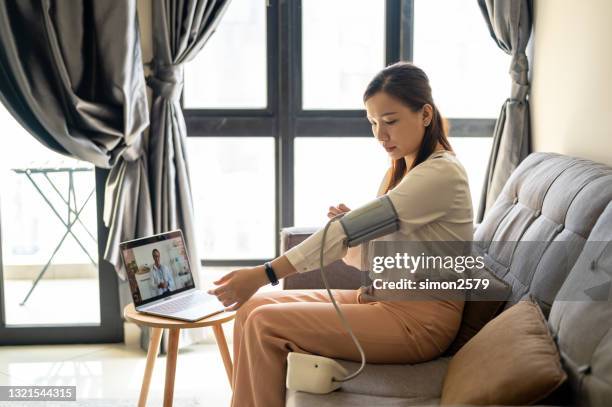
429 189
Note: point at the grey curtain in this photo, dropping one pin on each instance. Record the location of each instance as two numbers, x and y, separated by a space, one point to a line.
71 73
509 23
180 30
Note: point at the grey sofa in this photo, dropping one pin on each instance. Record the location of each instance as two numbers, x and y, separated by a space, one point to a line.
549 198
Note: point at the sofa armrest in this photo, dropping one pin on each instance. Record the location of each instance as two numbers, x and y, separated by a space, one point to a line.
339 275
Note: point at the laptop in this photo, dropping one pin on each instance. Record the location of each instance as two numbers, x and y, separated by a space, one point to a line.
161 281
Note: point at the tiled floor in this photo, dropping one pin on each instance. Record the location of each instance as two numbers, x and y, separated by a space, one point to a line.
115 371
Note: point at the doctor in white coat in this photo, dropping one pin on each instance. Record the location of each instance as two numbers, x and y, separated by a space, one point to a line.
162 280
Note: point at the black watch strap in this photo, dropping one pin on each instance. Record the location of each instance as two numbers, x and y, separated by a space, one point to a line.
270 273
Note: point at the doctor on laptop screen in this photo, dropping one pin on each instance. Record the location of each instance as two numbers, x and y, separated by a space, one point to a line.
161 276
157 267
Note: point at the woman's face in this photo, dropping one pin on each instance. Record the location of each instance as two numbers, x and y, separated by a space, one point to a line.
395 126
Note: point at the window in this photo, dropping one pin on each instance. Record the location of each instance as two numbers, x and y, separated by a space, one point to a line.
459 58
38 188
232 65
325 175
338 62
274 112
473 153
232 181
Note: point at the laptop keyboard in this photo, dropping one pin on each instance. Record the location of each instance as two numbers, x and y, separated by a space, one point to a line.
180 304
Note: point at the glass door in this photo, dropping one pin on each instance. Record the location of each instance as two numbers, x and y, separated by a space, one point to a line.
50 273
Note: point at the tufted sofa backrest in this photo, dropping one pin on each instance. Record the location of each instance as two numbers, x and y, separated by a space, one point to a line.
534 232
581 319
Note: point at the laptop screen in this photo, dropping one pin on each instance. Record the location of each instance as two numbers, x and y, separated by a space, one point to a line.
157 266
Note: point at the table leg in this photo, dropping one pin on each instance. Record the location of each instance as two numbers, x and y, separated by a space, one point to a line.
151 356
225 355
173 342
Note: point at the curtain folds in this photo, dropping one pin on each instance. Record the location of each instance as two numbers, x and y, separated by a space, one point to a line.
71 73
509 23
181 28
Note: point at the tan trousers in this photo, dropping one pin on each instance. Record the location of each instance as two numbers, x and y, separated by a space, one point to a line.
272 324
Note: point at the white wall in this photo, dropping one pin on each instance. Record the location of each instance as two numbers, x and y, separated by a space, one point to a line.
571 93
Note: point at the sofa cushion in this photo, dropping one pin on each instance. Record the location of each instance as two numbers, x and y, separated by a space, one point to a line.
347 399
554 201
581 318
512 360
394 380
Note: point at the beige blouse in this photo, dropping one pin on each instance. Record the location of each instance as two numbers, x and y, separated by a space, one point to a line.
433 203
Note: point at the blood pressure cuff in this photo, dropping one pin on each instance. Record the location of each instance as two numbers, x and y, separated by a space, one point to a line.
374 219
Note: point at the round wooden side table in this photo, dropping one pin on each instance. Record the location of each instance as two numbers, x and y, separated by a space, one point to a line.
174 326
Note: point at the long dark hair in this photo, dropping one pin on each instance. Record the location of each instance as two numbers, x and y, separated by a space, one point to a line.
410 85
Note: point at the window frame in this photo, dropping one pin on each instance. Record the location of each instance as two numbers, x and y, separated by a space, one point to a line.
285 120
110 328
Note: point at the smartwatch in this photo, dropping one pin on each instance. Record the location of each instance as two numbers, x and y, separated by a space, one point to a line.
270 273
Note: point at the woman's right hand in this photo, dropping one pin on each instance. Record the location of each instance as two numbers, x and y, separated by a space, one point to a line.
237 286
335 210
